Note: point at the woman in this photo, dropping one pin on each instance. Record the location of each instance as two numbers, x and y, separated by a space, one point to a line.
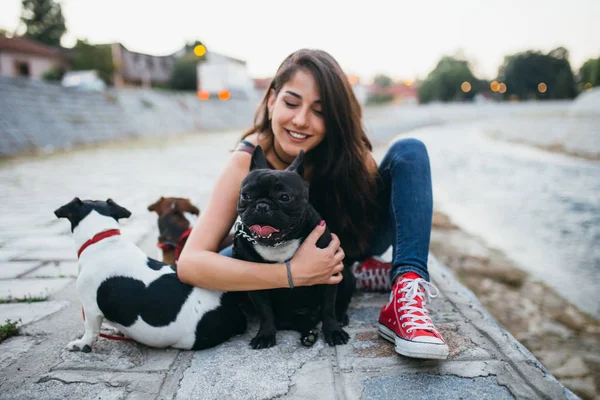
310 106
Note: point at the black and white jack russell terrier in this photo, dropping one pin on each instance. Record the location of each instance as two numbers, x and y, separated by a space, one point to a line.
140 296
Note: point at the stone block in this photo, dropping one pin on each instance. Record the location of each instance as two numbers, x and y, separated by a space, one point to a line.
425 386
29 312
21 288
61 269
12 269
118 355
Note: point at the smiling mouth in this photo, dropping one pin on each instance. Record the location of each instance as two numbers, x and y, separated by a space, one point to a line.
296 135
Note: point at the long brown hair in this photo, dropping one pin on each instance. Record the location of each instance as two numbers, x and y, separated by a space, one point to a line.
343 181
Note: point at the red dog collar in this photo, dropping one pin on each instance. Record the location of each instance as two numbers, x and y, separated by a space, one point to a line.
177 246
97 238
181 243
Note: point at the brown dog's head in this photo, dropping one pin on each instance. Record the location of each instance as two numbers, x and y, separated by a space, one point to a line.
172 220
166 205
172 224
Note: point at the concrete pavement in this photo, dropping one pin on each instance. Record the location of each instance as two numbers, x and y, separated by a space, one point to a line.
37 259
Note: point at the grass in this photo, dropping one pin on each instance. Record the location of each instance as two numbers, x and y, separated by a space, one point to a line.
9 329
26 299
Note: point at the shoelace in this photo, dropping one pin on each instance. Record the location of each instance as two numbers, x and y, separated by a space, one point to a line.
412 290
377 279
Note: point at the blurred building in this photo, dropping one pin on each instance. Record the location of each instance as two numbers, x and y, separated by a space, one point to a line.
397 93
261 85
20 56
134 69
218 73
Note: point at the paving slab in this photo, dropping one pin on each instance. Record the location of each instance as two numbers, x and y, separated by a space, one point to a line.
12 348
12 269
48 254
117 356
27 313
251 374
54 269
7 253
424 386
21 288
43 242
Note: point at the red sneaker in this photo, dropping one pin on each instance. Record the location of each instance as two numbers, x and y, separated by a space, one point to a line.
405 321
373 275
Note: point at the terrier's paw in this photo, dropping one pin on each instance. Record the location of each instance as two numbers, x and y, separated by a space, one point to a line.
334 337
310 338
263 341
79 345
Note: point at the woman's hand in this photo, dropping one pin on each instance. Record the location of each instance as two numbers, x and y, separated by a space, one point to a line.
314 266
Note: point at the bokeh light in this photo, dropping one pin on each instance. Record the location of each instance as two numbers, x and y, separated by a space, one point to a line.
203 94
465 87
224 94
542 87
353 79
588 86
408 83
494 86
502 88
200 50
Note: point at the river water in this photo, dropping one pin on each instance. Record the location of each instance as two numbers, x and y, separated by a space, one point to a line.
541 208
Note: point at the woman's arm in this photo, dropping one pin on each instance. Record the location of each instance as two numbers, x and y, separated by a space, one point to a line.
200 265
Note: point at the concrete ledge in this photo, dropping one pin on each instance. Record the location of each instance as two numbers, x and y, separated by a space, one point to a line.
485 361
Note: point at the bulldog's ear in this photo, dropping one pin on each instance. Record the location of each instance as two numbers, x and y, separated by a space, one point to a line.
258 159
69 209
156 206
116 211
185 205
298 164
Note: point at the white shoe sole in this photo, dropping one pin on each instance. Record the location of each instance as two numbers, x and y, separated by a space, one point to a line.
408 348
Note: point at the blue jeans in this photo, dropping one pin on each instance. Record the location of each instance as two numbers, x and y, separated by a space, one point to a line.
405 197
404 194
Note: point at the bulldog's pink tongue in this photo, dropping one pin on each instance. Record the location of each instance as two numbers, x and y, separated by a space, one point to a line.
263 230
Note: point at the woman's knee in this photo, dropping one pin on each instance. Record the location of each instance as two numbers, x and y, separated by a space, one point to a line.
409 149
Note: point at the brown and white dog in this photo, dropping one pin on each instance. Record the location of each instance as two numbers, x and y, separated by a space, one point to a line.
176 218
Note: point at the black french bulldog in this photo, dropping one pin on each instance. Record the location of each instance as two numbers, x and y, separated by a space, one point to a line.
276 217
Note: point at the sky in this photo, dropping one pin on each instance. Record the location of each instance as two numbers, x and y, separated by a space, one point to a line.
402 39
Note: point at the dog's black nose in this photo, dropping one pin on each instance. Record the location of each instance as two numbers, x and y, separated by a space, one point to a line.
263 207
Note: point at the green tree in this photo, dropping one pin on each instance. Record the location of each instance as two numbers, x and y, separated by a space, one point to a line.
382 81
44 21
523 72
590 73
444 83
87 56
184 75
53 74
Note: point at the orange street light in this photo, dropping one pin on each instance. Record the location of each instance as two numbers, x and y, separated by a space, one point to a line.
494 86
465 87
542 87
224 94
502 88
203 94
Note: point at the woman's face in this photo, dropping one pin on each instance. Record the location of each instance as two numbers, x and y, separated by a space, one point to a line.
296 117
